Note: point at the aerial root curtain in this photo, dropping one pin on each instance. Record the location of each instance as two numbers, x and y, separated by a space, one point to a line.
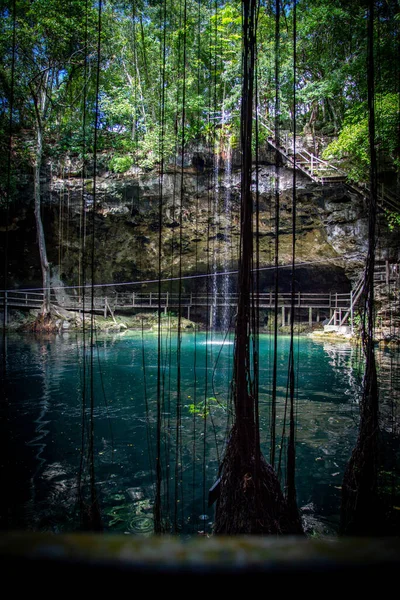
250 498
360 509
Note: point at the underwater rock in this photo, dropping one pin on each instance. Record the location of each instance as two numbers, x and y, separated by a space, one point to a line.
135 493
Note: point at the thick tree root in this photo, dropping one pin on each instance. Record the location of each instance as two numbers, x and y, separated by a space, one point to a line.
251 500
44 323
360 510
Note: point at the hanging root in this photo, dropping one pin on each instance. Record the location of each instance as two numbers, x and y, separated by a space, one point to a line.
91 517
251 500
360 509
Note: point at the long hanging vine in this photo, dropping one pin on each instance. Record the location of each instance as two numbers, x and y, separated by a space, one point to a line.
359 510
158 521
276 253
250 499
90 510
178 428
6 505
81 284
291 453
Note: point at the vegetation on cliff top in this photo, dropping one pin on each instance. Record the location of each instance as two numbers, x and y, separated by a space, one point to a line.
52 51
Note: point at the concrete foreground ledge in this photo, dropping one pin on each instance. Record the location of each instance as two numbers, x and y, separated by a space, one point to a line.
99 558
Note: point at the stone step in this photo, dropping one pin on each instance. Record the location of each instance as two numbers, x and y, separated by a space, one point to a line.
340 329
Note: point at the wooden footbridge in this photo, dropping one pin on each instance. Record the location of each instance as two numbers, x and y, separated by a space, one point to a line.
384 273
314 307
322 305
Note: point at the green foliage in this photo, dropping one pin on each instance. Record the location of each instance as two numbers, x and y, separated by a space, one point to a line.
393 219
352 144
352 148
144 77
120 164
203 407
356 321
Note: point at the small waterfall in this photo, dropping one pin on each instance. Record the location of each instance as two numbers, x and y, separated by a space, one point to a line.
215 277
227 240
222 248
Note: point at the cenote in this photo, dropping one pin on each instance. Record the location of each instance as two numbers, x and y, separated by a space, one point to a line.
173 171
47 377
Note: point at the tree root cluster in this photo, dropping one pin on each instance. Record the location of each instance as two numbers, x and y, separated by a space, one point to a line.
360 509
251 500
44 323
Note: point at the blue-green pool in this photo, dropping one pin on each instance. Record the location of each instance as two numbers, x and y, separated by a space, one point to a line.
46 377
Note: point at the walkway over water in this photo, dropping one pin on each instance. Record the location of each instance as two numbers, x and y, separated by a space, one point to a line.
111 302
337 307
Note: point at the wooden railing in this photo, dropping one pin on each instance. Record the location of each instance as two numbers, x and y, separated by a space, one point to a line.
15 298
116 300
266 299
384 272
340 317
387 272
386 200
320 171
339 306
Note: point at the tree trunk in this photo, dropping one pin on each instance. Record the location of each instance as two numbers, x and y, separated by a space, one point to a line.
44 263
250 499
334 115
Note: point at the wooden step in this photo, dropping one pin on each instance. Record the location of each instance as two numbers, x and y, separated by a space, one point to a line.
317 171
333 179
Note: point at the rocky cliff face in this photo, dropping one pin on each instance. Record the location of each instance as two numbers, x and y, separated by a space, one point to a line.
188 225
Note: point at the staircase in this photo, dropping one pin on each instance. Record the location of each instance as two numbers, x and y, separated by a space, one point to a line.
323 172
386 200
339 322
315 168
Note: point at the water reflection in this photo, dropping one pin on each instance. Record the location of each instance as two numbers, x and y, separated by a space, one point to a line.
46 378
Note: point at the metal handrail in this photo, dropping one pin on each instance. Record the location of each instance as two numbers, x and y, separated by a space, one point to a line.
310 160
143 299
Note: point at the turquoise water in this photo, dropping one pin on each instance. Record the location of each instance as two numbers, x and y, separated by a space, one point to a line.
46 379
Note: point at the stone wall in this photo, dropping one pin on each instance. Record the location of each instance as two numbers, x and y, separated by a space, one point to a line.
199 226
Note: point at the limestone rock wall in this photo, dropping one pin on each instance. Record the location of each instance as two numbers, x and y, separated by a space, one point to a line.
199 230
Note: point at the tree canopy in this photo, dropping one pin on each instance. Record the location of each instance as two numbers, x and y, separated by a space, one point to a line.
151 52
